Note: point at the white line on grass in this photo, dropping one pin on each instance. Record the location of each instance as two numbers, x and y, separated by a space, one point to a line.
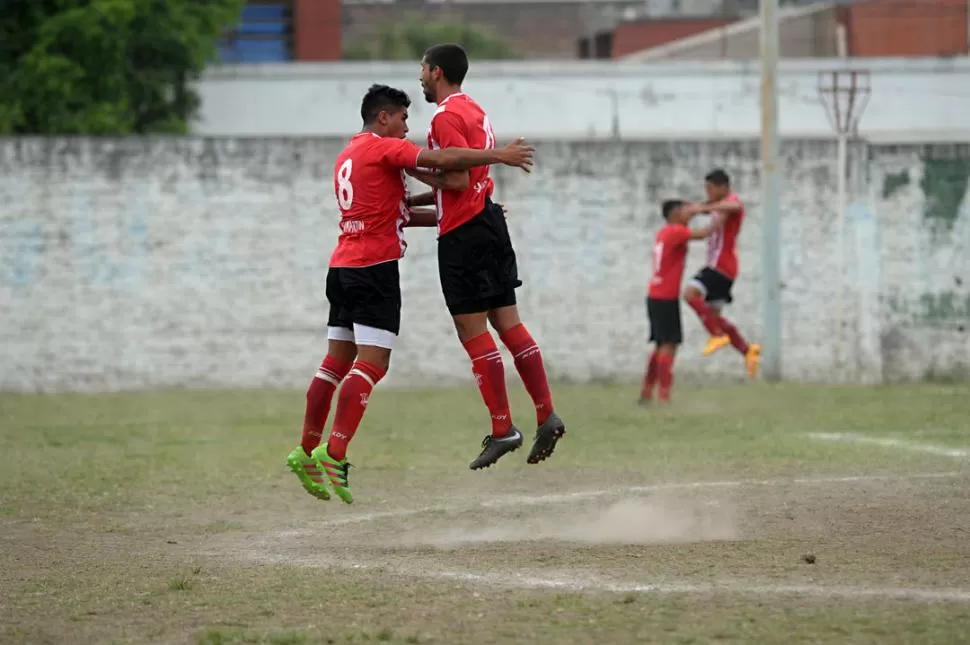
592 584
565 498
889 442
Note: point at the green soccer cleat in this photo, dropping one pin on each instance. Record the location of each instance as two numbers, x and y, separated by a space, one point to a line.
310 473
336 472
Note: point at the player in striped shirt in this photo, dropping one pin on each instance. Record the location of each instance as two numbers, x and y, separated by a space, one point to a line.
710 290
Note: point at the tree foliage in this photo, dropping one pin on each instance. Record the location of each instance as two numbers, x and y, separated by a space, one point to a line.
105 66
409 40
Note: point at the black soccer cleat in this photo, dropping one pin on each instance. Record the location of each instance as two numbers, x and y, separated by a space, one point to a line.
493 448
547 435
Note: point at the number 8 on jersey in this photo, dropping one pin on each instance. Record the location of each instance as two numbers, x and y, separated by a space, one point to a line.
345 190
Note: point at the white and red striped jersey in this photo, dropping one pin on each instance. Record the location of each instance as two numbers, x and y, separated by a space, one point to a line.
722 253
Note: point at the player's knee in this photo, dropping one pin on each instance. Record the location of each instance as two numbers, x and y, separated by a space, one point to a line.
376 356
691 293
469 326
504 318
343 350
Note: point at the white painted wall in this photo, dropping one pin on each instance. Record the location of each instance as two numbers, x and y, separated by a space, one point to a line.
187 262
911 100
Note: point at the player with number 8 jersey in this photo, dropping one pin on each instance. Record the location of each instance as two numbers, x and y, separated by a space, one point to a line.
363 283
477 265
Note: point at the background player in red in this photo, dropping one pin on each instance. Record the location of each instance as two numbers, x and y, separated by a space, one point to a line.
663 304
363 284
710 290
477 265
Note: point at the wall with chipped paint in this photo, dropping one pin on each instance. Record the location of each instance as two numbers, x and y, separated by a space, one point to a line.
200 262
922 215
914 100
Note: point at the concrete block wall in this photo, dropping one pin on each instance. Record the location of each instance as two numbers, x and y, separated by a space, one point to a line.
143 263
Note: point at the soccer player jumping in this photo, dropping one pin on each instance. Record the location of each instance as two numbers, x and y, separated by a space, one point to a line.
710 290
363 283
663 306
477 265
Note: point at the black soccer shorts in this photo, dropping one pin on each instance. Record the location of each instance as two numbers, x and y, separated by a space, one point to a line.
477 265
715 286
664 317
369 296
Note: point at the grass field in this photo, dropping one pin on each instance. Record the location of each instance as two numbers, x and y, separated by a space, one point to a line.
169 518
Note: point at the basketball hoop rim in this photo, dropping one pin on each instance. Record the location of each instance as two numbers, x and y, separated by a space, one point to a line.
844 94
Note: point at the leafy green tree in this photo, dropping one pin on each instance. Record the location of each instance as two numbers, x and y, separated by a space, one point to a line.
105 66
409 40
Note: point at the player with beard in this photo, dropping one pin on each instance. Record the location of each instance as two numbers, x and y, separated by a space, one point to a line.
477 264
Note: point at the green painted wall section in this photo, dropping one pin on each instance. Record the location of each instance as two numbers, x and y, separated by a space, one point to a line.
944 187
946 309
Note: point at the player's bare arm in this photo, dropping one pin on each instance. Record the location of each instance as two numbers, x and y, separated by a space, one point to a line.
721 206
706 231
424 199
516 154
427 199
456 180
423 218
717 223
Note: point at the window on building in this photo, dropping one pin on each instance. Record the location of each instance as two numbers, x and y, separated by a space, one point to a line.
602 46
263 35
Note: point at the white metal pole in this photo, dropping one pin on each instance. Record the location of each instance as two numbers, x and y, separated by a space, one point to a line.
841 198
840 201
770 194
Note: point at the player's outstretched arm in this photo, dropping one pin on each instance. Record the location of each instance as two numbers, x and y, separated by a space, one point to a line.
721 206
706 231
724 206
716 223
701 233
516 154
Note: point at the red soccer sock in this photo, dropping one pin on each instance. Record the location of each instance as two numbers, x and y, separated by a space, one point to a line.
665 373
490 375
528 362
650 376
737 340
318 399
707 315
351 404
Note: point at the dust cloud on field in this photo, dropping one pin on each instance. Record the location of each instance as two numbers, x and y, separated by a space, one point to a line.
654 520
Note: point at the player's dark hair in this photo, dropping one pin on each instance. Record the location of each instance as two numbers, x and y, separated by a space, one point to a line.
718 177
381 98
670 205
451 59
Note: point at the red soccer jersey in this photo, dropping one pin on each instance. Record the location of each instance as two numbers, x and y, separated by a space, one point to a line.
460 122
371 191
669 257
721 252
